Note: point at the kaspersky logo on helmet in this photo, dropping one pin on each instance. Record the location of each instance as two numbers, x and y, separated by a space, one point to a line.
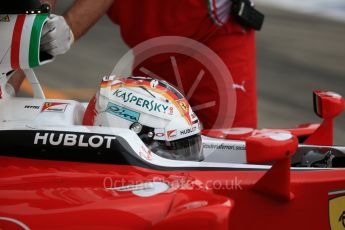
148 104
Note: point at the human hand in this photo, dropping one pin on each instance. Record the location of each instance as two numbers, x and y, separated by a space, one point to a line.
57 37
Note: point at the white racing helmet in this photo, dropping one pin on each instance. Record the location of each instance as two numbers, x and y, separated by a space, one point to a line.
156 111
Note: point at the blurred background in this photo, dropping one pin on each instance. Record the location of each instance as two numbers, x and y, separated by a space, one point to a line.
300 48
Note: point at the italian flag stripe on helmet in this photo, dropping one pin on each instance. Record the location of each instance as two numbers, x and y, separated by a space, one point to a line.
26 40
15 47
35 39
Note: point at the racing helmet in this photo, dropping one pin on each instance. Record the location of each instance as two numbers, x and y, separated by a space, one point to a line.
154 110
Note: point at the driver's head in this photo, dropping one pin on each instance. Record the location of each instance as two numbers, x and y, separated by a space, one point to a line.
156 111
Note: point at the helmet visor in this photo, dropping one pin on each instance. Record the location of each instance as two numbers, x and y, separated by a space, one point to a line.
186 149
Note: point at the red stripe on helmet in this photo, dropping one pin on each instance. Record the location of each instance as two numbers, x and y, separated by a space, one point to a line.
16 37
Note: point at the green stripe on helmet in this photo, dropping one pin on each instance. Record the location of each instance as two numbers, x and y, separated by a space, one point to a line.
34 49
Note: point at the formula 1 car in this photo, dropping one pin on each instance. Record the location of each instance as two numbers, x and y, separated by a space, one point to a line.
56 173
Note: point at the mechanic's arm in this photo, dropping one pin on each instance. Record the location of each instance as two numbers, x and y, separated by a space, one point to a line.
83 14
59 32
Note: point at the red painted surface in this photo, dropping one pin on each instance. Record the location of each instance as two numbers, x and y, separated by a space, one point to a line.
49 194
300 131
262 148
327 105
15 47
278 147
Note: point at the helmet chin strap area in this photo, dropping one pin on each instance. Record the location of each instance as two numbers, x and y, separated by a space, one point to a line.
30 75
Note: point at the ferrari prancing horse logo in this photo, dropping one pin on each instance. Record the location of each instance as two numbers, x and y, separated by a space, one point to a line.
184 106
337 210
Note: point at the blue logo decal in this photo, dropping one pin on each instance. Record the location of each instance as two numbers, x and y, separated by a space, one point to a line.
122 112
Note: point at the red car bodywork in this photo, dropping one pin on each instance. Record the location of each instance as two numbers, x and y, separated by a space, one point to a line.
51 194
